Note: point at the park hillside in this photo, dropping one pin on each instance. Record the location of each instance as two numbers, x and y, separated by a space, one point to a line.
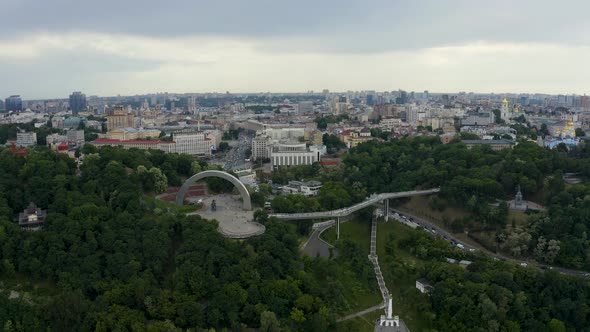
113 258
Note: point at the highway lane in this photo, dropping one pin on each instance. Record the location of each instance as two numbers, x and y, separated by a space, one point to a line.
440 232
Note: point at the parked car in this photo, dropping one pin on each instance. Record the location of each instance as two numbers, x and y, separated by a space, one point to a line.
460 246
523 264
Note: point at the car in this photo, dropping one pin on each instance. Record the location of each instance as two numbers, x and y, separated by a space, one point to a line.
472 249
200 201
460 246
523 264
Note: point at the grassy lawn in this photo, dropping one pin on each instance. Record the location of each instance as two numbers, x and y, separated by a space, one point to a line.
399 272
419 206
355 230
359 232
520 218
167 205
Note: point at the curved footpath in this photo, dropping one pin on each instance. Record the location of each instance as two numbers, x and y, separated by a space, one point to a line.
346 211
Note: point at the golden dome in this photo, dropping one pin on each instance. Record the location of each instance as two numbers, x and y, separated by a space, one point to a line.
505 101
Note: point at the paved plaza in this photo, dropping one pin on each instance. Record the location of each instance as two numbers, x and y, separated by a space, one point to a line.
234 221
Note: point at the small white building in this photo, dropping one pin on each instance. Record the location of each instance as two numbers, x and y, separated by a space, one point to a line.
305 188
75 137
26 139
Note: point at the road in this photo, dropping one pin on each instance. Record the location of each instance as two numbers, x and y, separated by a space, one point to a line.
437 231
315 246
235 158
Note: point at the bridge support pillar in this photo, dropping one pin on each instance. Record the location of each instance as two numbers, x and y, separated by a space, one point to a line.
337 228
386 212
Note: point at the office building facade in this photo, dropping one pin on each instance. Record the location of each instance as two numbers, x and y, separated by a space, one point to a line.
77 102
26 139
194 143
293 154
119 117
13 103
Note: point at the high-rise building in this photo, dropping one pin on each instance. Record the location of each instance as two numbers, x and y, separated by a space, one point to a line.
2 105
305 107
261 145
192 104
77 102
585 101
13 103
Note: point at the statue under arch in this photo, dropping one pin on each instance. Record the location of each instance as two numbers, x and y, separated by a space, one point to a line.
220 174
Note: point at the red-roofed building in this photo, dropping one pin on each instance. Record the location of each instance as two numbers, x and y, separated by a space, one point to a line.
63 147
13 149
330 162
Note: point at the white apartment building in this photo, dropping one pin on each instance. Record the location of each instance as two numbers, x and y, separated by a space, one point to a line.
305 107
75 137
26 139
265 139
194 143
478 119
280 134
261 145
390 124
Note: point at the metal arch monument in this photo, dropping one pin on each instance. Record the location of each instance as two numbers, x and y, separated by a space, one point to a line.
219 174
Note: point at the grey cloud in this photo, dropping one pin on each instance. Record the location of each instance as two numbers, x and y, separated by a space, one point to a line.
327 25
57 72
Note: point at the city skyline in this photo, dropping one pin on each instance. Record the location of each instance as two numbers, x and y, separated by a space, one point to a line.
500 47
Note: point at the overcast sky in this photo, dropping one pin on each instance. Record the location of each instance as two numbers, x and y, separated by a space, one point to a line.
53 47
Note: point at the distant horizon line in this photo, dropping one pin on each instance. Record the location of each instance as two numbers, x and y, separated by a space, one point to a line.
510 94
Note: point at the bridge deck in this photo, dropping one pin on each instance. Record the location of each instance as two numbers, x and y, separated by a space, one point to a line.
346 211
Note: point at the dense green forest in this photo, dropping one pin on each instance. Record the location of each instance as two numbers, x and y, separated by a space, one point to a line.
487 295
114 262
109 259
472 179
476 180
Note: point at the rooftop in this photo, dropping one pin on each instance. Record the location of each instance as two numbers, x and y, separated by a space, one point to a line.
486 141
118 141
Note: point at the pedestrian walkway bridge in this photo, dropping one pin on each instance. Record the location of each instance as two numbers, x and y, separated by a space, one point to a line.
348 210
